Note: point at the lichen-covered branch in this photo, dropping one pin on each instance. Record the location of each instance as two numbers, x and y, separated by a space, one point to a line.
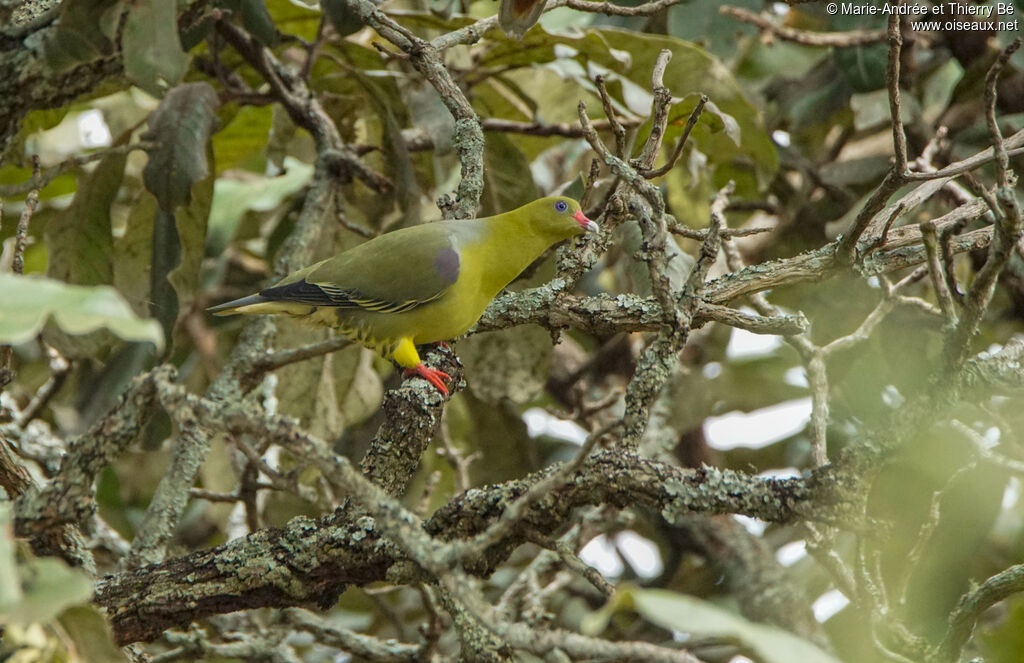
309 562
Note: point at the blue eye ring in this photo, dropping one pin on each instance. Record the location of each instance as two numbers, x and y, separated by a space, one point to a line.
561 206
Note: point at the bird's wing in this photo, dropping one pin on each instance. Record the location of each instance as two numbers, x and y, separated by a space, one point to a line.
393 273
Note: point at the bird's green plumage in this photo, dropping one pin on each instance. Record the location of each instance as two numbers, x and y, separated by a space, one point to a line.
422 284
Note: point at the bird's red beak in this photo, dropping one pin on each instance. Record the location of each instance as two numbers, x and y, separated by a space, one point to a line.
584 222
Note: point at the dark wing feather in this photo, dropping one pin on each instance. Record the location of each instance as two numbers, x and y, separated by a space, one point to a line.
303 292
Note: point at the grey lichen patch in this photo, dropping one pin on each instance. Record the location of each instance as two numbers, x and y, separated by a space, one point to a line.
676 509
261 571
364 527
711 490
404 572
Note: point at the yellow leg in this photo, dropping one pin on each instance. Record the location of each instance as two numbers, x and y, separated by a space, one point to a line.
405 354
407 357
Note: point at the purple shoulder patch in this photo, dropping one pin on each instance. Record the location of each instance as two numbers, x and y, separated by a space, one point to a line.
446 264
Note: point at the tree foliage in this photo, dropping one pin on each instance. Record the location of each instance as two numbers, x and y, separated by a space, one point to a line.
770 411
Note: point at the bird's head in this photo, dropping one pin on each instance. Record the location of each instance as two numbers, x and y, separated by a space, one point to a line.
557 216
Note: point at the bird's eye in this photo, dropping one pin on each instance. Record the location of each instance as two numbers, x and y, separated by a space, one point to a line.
561 206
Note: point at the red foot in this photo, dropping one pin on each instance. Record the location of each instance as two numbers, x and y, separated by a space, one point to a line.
431 375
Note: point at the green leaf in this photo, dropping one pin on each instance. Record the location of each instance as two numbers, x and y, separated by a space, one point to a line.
39 589
282 131
357 384
344 21
679 612
627 59
728 123
50 586
693 70
91 635
41 120
84 32
233 198
79 241
166 254
511 364
153 57
1002 642
307 390
508 182
133 255
258 22
10 586
863 66
191 222
180 126
701 21
244 136
177 251
29 301
538 47
295 17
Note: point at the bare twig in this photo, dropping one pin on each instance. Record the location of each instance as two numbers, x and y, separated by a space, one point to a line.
690 124
14 478
59 369
21 234
39 179
459 461
724 233
613 121
426 58
847 248
515 511
660 105
355 644
892 77
991 78
843 39
271 362
611 9
1012 145
564 129
939 271
1007 231
971 606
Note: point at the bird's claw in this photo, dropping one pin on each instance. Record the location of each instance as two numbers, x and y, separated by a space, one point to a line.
431 375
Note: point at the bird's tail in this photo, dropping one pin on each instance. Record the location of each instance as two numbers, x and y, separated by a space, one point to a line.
259 305
517 16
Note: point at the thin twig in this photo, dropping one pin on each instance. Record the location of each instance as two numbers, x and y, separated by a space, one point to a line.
817 378
271 362
938 271
1012 145
563 129
991 78
59 369
514 512
1006 232
970 607
21 234
724 233
847 248
41 179
645 9
892 77
18 260
690 124
844 39
660 105
609 110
